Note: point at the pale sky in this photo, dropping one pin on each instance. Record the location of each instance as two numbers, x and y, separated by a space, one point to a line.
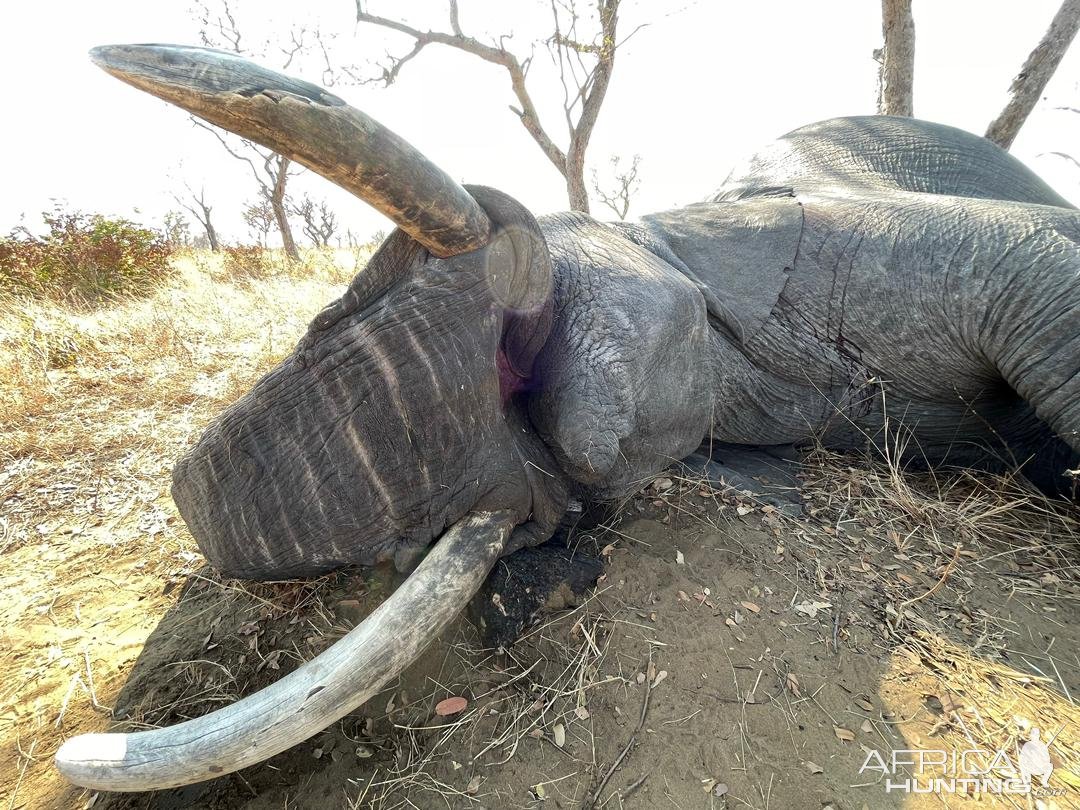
693 93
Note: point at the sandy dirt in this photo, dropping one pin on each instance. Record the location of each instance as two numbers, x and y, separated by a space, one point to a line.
750 702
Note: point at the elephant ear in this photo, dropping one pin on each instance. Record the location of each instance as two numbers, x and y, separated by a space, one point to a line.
737 252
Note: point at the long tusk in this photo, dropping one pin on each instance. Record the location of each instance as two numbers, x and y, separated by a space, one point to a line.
315 695
313 127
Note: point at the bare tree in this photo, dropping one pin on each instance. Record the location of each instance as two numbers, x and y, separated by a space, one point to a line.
896 59
585 63
1030 82
626 184
259 217
219 29
271 172
196 205
320 223
175 227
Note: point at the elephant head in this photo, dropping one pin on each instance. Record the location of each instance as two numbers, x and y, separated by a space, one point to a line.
396 421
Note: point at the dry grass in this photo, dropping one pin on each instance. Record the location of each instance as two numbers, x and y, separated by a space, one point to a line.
95 406
115 393
960 530
977 705
536 693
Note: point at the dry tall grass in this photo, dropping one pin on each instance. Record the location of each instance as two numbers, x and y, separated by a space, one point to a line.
95 406
115 392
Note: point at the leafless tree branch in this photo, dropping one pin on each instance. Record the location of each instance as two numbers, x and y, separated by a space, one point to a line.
196 205
1066 156
1036 71
626 185
585 69
222 30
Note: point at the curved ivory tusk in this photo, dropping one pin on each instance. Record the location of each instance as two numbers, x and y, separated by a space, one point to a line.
307 124
308 700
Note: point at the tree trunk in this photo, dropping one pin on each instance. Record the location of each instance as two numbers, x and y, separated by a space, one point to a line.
211 235
576 192
208 226
896 74
1030 82
281 216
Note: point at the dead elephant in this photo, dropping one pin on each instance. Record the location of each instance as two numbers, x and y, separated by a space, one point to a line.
487 366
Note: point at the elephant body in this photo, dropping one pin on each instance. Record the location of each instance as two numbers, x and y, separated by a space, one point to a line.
863 280
925 297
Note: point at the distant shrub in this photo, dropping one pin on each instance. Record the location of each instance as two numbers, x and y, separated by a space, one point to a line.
248 261
83 258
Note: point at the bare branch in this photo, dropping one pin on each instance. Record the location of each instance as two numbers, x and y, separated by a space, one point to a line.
228 148
224 24
296 45
584 64
1064 155
455 24
1030 82
626 185
196 205
896 58
497 55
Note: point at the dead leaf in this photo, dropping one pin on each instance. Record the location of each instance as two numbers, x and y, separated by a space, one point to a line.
811 609
867 727
845 734
679 558
744 510
450 706
474 785
581 713
864 704
559 733
949 704
659 679
753 608
813 767
793 685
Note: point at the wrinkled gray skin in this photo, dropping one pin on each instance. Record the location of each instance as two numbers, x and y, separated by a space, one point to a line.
857 272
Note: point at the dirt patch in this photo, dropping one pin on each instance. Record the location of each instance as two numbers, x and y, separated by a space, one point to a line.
730 657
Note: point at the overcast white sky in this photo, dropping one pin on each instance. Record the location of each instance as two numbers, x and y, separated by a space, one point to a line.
700 88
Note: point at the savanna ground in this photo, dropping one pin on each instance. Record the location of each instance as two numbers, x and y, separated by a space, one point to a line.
730 657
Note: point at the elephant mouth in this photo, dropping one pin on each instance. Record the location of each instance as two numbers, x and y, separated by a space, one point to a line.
438 218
